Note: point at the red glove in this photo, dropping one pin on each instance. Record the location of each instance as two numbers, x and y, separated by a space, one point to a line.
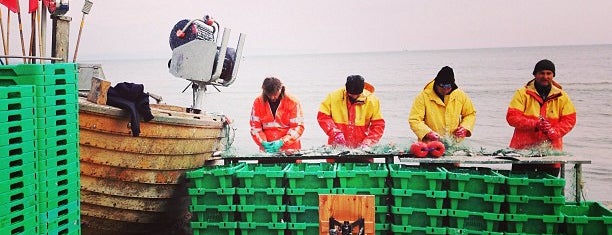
544 126
460 132
339 139
431 136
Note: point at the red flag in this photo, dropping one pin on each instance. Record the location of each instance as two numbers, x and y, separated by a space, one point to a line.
33 6
12 5
50 4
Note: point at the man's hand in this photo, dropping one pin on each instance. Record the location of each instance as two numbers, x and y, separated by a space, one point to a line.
460 132
544 126
431 136
276 145
339 139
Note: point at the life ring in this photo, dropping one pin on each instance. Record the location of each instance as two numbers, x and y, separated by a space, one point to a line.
436 148
419 149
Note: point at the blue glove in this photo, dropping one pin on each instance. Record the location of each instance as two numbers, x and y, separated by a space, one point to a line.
267 146
276 145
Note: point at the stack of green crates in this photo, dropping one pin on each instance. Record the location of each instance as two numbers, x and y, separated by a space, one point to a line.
475 196
260 191
213 199
55 138
18 183
585 218
367 179
304 184
534 200
418 199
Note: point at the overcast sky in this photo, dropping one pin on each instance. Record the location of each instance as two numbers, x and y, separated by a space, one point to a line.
120 28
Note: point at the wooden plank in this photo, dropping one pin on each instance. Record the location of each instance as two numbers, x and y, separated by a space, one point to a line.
98 91
346 208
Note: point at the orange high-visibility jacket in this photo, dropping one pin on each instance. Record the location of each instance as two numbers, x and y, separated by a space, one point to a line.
527 107
362 122
288 124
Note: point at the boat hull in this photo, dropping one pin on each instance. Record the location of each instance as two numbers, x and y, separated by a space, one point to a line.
136 185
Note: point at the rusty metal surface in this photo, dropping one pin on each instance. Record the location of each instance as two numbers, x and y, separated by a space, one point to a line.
147 145
121 125
142 160
130 185
128 203
128 189
131 175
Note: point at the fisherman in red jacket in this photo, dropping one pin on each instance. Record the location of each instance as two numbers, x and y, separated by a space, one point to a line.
541 113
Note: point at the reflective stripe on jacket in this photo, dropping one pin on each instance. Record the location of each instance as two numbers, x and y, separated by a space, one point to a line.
362 122
527 107
429 113
288 124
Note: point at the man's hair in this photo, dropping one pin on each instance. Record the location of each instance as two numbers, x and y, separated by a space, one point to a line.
272 85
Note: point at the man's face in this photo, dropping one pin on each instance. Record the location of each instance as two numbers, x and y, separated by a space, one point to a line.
274 97
353 95
444 89
544 77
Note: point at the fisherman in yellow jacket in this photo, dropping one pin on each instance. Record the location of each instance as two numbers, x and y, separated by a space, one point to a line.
351 116
442 109
540 112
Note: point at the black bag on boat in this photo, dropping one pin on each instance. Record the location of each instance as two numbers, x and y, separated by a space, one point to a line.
131 97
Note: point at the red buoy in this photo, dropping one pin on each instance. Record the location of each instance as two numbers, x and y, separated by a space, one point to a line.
419 149
436 148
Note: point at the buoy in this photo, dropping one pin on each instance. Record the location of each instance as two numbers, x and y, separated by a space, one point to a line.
436 148
419 149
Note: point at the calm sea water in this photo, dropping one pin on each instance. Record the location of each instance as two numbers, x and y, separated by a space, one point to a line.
489 76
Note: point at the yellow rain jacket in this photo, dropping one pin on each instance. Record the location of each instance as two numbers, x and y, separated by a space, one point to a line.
527 107
288 124
429 113
362 122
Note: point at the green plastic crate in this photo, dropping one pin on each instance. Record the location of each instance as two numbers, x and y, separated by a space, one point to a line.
303 228
66 223
262 228
56 100
57 120
480 221
381 214
57 192
533 224
18 205
17 138
381 195
533 184
18 224
416 178
303 214
261 176
7 162
54 90
261 213
533 205
306 197
220 228
19 91
59 110
17 149
476 180
382 228
413 230
16 115
16 174
59 201
456 231
418 198
260 196
211 197
213 177
312 176
418 217
17 126
585 218
362 175
17 103
213 214
17 184
60 69
18 194
475 202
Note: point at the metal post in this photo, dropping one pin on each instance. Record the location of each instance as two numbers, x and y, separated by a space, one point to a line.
60 37
578 168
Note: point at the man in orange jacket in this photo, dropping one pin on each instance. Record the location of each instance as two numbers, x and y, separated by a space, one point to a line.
541 112
277 121
351 116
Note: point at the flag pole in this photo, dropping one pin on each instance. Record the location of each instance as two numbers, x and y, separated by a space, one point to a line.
8 30
21 36
33 35
43 30
3 37
86 8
